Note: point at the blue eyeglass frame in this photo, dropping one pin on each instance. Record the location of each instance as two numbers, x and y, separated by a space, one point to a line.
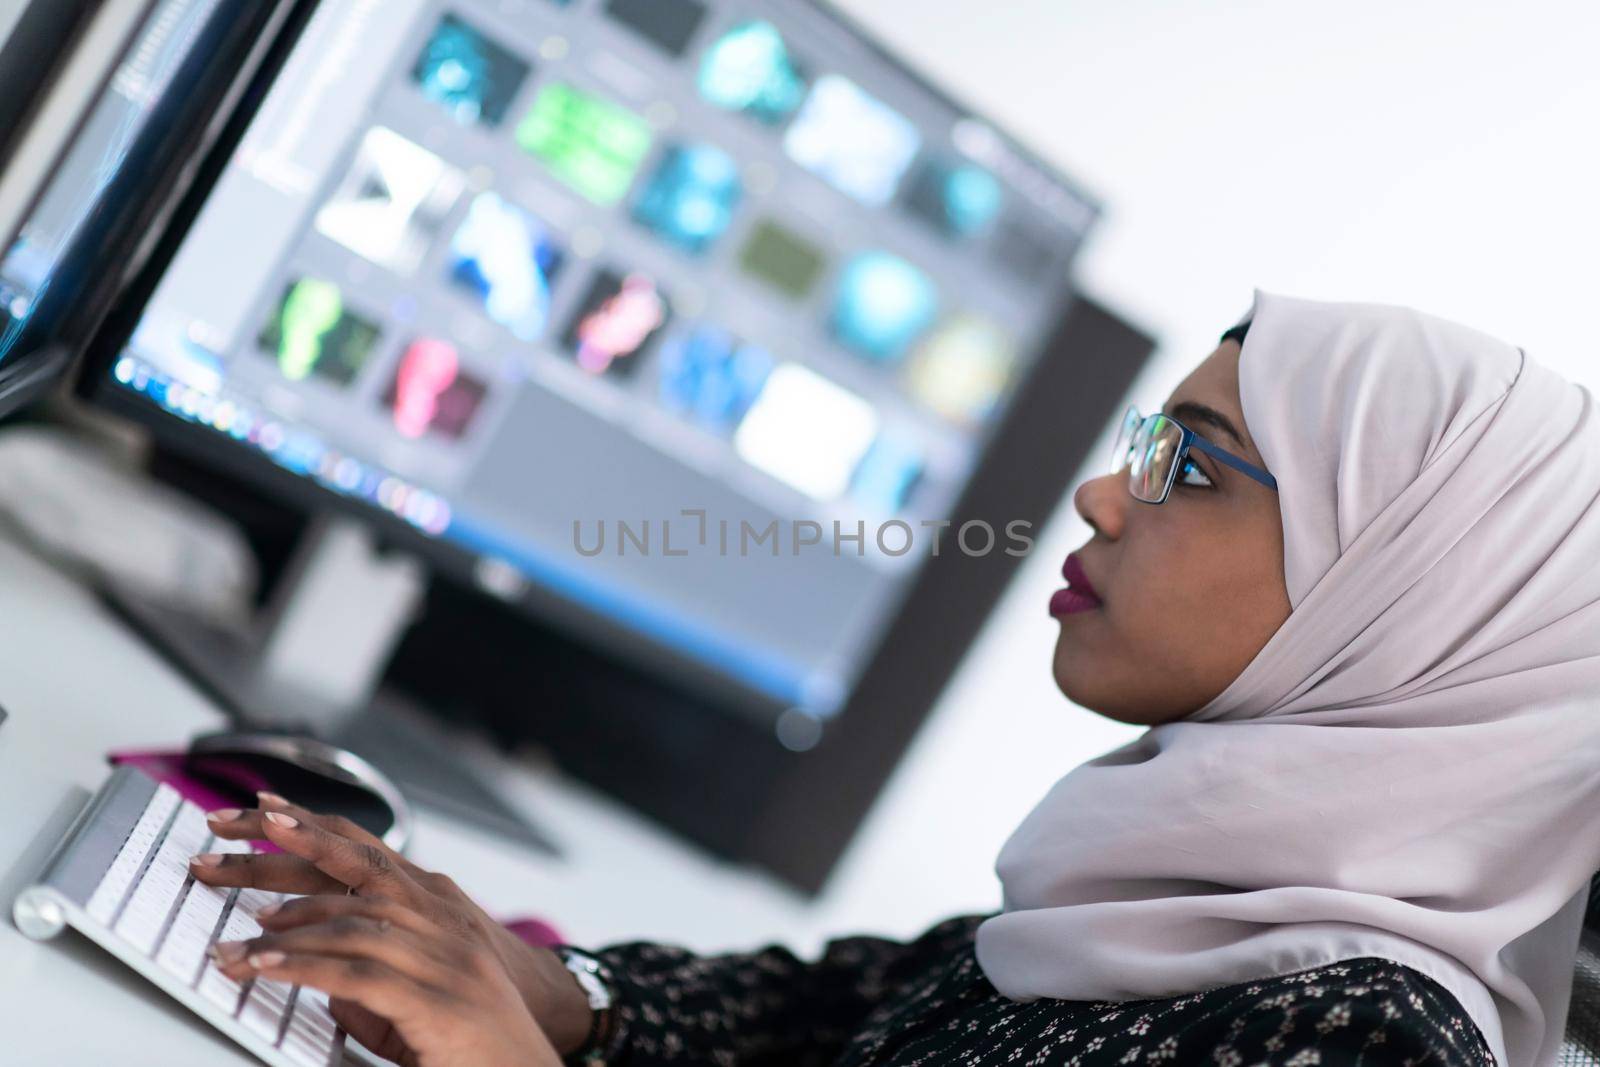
1190 438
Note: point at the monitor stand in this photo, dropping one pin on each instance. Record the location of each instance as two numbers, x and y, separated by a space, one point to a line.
310 661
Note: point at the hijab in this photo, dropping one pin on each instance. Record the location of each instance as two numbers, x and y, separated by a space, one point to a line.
1410 767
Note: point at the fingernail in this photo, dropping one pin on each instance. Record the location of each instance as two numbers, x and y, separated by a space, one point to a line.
271 798
278 818
224 815
228 951
267 909
266 959
208 859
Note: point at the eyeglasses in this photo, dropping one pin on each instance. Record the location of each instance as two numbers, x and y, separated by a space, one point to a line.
1156 446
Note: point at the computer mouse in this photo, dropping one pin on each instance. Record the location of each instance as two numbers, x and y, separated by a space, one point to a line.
311 773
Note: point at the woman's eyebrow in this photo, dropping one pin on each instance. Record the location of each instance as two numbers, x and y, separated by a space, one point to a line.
1193 411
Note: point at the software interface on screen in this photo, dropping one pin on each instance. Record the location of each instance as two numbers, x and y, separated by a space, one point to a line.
94 158
598 290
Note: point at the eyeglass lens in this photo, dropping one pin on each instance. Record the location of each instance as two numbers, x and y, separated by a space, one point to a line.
1148 446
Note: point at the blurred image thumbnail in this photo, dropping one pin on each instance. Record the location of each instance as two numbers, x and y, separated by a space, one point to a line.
690 196
962 368
508 258
781 258
749 69
430 393
667 24
614 326
592 145
887 475
806 431
391 202
956 199
882 304
711 377
311 332
468 74
852 140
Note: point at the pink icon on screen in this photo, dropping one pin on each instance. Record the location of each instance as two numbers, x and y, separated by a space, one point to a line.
428 368
620 325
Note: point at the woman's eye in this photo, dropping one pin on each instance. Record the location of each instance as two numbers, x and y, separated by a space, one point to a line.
1190 467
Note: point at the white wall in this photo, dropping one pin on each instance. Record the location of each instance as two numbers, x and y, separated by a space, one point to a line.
1433 154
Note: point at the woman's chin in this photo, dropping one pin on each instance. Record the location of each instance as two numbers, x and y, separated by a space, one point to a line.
1076 675
1070 670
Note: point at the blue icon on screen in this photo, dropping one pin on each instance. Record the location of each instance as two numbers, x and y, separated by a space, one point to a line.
507 257
886 475
957 199
971 199
690 198
712 377
471 76
749 69
883 303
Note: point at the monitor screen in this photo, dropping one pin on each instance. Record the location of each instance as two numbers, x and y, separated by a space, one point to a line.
96 154
115 98
680 322
52 244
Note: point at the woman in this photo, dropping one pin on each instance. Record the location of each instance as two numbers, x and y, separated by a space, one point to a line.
1361 615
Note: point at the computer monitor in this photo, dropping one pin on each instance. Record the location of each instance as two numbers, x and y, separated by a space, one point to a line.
618 303
682 326
81 157
100 103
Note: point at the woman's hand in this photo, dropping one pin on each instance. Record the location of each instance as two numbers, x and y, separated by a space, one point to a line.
416 971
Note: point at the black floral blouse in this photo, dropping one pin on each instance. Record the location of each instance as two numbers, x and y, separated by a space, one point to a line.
871 1000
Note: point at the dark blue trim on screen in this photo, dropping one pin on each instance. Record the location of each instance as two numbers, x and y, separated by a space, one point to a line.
780 677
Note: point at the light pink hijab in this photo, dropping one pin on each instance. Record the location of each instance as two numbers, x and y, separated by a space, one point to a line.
1410 768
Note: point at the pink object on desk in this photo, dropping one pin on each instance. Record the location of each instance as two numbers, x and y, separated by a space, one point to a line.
169 767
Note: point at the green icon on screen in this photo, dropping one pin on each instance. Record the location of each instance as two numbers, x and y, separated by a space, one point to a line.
311 331
311 309
592 145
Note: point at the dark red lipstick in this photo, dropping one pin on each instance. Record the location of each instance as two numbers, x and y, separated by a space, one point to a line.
1079 594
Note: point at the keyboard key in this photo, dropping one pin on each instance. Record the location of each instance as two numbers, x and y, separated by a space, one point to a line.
240 926
216 986
264 1008
307 1052
317 1033
183 952
219 989
251 901
311 1015
119 876
145 916
184 949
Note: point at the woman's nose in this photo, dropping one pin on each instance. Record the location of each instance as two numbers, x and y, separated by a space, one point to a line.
1103 502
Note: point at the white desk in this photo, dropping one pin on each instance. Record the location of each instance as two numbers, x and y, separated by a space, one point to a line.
77 685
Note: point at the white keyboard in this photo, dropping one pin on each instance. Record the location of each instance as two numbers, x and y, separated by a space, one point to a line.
121 876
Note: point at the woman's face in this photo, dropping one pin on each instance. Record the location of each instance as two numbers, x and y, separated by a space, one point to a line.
1190 589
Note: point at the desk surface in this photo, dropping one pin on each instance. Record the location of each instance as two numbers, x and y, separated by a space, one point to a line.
77 685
